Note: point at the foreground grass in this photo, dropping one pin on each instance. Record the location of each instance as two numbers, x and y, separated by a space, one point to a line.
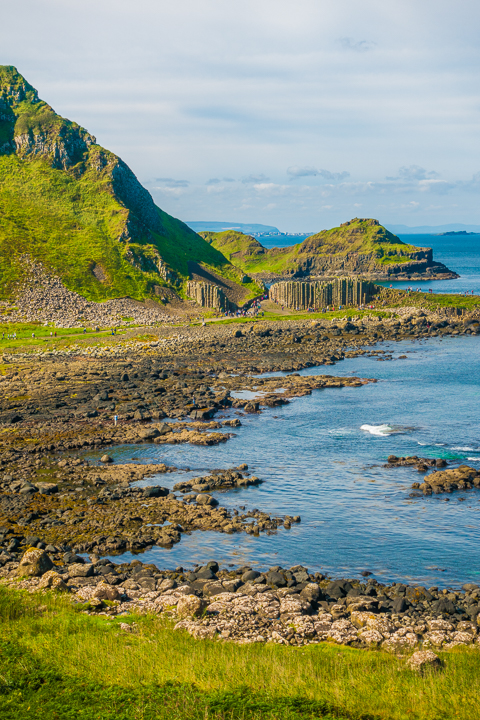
58 663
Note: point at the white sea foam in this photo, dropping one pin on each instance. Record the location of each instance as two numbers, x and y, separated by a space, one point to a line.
381 430
466 448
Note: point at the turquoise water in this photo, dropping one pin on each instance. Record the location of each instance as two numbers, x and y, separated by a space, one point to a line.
317 461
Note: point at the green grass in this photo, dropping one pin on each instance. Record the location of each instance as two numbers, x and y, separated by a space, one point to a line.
58 663
43 340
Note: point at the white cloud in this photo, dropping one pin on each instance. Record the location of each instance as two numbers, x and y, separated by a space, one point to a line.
207 91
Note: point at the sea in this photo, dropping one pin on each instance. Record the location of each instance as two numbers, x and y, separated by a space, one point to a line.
323 457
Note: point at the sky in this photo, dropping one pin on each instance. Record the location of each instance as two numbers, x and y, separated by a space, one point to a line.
299 114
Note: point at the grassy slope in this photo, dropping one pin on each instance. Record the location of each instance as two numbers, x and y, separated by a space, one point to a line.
70 224
71 221
56 663
358 237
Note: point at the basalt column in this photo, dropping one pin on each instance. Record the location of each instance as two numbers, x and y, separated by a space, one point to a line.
317 295
208 296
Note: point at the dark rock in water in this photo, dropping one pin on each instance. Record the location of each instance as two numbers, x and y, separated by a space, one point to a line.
204 499
365 573
213 565
155 491
163 429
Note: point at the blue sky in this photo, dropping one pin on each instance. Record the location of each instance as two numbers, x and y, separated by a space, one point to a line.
297 114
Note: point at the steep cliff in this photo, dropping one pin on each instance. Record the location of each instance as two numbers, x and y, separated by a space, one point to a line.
80 210
358 247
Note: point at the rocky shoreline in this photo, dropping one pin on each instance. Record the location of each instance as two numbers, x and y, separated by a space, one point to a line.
57 503
285 606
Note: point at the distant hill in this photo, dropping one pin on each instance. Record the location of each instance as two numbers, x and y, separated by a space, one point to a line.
252 228
78 209
357 247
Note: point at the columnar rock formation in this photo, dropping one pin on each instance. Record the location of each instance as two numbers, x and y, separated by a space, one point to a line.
207 295
340 291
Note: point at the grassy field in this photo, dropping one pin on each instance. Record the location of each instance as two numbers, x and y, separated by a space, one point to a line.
58 663
35 336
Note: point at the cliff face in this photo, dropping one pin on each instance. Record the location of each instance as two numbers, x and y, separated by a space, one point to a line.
79 209
32 130
358 247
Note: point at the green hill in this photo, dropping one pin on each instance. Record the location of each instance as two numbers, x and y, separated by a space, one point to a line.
360 246
79 209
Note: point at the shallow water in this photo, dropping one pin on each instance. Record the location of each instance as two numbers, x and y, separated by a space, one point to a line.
317 460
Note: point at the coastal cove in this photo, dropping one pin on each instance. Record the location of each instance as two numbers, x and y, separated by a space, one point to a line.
316 460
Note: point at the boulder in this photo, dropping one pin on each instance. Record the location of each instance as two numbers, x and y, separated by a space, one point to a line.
311 592
204 499
444 605
47 488
106 592
250 575
80 570
339 589
155 491
276 579
51 580
424 660
34 563
191 606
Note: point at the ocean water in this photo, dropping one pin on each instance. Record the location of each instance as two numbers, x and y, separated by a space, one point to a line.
458 253
322 457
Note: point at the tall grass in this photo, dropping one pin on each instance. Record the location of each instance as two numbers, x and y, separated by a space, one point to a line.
75 651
